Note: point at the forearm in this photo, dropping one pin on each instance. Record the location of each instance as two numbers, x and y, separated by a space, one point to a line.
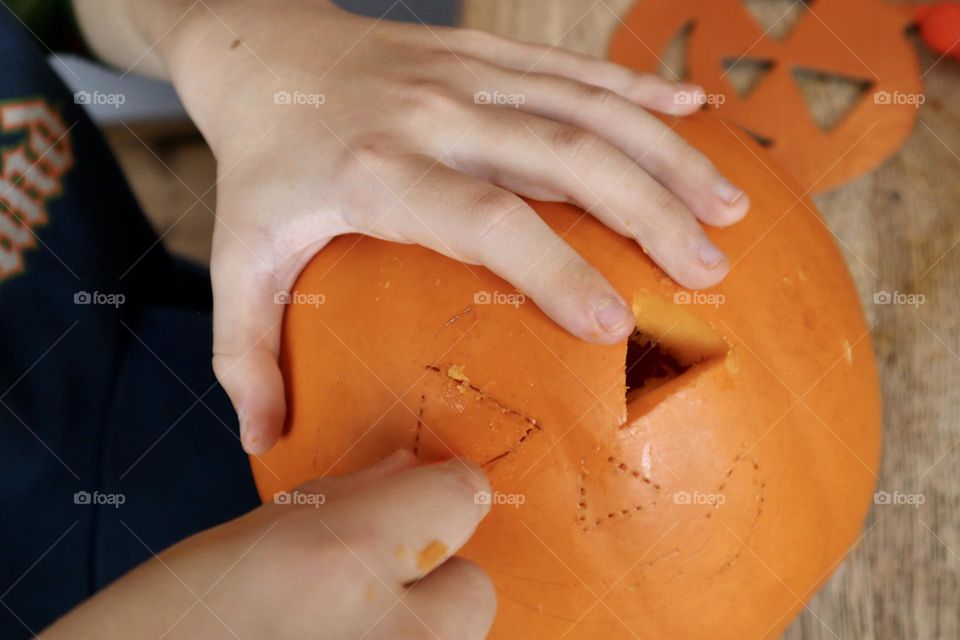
136 35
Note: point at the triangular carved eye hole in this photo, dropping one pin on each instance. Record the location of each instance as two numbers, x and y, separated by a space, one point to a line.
745 74
830 97
777 18
668 344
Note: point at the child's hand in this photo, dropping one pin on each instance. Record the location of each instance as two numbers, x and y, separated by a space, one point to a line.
360 556
325 123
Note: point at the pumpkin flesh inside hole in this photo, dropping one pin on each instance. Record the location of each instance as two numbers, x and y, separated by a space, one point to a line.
669 343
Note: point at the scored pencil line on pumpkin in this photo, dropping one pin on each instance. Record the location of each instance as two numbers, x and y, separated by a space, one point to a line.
397 398
533 428
597 399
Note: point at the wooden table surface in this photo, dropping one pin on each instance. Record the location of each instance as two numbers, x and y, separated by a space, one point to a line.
899 227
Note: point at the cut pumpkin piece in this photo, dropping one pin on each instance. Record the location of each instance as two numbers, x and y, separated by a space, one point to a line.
677 332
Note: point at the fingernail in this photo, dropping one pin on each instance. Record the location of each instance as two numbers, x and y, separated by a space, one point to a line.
727 191
613 316
710 255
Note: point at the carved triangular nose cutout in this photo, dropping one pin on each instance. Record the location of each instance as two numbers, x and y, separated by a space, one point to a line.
673 58
777 18
830 97
669 343
745 74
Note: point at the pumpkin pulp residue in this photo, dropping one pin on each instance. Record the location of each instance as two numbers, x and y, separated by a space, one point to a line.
431 555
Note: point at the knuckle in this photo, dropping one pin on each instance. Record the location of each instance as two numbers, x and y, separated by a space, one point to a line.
664 201
435 97
574 274
495 213
599 97
575 143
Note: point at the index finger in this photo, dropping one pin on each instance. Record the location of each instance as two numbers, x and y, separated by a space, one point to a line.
404 526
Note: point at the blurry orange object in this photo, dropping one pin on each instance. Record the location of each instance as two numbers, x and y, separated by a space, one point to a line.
940 27
862 42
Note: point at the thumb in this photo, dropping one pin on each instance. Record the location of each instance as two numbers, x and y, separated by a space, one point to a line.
248 304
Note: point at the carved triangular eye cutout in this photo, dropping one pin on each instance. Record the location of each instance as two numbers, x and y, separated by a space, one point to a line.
830 97
777 18
745 74
673 58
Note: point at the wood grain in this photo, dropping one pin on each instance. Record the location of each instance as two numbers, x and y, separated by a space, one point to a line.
899 228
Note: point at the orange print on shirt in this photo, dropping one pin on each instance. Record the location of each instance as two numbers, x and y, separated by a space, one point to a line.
31 173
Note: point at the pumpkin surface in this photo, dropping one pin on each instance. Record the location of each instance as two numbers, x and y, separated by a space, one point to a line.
707 493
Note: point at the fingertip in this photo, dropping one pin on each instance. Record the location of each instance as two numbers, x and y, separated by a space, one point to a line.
258 437
732 203
686 99
614 318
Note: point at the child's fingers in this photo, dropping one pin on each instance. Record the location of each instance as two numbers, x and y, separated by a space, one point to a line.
457 600
337 487
645 139
647 90
587 169
469 219
246 335
405 526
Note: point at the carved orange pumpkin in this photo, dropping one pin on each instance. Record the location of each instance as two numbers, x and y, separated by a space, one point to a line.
862 41
707 493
